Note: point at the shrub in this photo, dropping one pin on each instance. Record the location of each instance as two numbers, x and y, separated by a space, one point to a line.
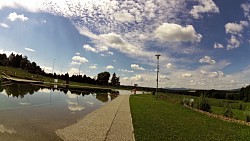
241 107
247 115
228 111
204 105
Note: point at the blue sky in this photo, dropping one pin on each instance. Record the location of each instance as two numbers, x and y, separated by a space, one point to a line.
204 43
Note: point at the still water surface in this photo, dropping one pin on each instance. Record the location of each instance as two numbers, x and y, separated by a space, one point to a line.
30 112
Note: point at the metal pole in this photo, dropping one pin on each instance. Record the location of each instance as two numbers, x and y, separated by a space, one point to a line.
157 79
53 66
80 70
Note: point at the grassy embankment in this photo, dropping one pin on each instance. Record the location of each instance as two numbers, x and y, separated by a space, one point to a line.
19 73
239 108
169 120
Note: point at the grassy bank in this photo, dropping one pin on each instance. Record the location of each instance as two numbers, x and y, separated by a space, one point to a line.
168 120
19 73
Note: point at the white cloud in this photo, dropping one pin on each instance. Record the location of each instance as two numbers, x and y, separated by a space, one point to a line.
207 59
29 49
123 17
8 52
93 67
203 72
111 53
89 48
4 25
218 45
109 67
137 78
73 71
216 74
136 67
234 28
186 75
80 59
113 39
205 6
169 66
246 8
125 70
103 48
170 32
47 69
77 53
14 16
75 63
233 42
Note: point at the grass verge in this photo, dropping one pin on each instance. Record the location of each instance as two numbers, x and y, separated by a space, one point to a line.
166 120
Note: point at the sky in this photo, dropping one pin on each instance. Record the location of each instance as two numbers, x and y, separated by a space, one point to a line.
204 44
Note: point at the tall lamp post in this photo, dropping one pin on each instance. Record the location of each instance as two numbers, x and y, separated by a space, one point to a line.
158 57
53 66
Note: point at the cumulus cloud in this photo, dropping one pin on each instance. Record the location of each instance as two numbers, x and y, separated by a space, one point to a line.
203 72
170 32
89 48
233 42
136 67
109 67
207 59
235 28
137 78
217 74
80 59
73 71
186 75
246 8
169 66
102 49
4 25
29 49
93 67
75 63
14 16
8 52
205 6
47 69
125 70
218 45
214 74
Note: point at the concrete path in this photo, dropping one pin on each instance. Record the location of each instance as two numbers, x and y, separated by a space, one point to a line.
111 122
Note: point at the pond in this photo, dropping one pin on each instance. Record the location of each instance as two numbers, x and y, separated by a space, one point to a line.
31 112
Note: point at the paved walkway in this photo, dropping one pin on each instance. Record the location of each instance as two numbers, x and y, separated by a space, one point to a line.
111 122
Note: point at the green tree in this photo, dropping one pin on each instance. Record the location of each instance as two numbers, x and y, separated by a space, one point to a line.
103 78
115 80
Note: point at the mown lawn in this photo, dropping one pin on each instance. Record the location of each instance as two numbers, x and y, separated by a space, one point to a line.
165 120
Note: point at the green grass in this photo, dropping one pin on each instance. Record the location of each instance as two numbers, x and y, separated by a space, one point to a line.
217 105
237 114
168 120
19 73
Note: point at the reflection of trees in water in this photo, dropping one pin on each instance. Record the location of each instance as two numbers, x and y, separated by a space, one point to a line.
19 90
1 88
102 97
113 96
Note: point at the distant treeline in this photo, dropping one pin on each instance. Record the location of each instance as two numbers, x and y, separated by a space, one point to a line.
22 62
240 94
